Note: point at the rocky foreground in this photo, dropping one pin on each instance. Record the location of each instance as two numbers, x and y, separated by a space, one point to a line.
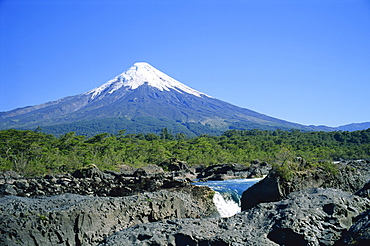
85 207
150 207
310 217
71 219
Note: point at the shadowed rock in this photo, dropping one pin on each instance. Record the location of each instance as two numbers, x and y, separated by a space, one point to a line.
234 171
70 219
309 217
273 187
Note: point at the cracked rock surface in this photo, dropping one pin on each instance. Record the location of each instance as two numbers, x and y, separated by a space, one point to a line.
71 219
314 216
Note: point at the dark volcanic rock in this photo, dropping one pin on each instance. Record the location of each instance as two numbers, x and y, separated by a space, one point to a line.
9 175
234 171
364 191
363 166
273 188
359 233
178 168
90 172
127 170
70 219
148 170
309 217
42 211
174 164
92 181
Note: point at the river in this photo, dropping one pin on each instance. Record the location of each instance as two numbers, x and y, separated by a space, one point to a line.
228 194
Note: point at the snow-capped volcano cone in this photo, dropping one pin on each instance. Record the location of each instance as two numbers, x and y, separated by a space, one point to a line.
141 93
143 73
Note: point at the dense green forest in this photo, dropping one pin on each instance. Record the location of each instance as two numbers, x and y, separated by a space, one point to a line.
146 125
36 153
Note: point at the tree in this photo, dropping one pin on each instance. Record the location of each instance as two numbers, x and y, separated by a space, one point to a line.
180 136
151 137
166 134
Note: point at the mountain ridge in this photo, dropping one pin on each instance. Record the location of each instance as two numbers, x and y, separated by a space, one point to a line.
144 91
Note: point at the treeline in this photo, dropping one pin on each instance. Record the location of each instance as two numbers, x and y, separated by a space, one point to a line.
89 128
145 125
36 153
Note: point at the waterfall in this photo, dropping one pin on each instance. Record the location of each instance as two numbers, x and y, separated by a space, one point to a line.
228 194
226 208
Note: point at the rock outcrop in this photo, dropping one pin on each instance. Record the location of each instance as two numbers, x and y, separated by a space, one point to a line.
309 217
234 171
359 233
274 188
362 166
88 205
128 181
71 219
147 206
364 191
91 181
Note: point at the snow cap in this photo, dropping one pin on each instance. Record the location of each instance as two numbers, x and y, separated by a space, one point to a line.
143 73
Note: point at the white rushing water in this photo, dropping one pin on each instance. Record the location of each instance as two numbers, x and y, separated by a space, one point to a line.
228 194
226 208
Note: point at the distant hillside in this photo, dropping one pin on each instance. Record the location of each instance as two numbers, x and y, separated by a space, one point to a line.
354 126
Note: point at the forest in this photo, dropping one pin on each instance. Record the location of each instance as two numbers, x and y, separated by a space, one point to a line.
34 153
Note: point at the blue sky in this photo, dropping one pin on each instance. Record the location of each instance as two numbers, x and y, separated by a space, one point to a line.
305 61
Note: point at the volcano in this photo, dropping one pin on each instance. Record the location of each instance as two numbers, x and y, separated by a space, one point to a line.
141 99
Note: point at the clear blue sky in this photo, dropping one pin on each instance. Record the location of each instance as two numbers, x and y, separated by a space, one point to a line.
305 61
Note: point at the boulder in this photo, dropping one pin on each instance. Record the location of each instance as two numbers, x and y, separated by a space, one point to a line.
179 169
127 170
363 166
70 219
8 189
148 171
92 181
274 188
259 169
221 171
364 191
359 233
309 217
91 171
234 171
174 164
9 175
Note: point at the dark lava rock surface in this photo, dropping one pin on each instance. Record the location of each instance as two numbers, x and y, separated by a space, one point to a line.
89 205
147 206
92 181
234 171
309 217
71 219
273 188
359 232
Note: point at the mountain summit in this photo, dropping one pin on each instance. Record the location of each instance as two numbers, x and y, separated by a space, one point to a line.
141 99
143 73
